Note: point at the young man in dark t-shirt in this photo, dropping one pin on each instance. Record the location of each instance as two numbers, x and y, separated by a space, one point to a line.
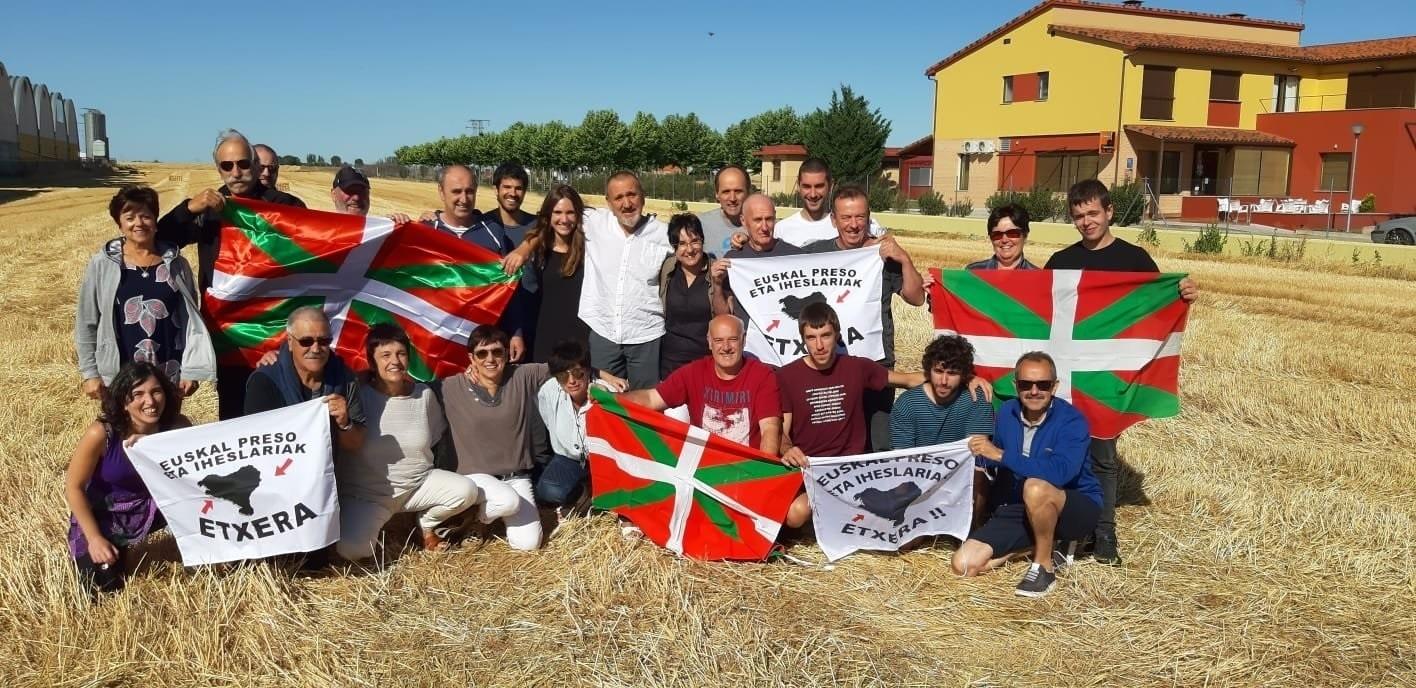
1091 211
823 395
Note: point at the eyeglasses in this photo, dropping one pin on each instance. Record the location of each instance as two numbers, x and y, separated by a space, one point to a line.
695 243
308 342
482 354
1010 233
227 165
574 374
270 168
1040 385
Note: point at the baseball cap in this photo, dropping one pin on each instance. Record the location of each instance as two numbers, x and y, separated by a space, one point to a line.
348 175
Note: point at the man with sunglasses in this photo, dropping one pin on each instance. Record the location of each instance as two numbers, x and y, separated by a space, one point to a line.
306 367
1089 204
1046 490
268 166
197 220
1008 232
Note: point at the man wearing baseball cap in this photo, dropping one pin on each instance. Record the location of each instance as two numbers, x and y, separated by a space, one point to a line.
350 192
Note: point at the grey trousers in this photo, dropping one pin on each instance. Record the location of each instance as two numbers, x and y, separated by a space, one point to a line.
1105 465
638 363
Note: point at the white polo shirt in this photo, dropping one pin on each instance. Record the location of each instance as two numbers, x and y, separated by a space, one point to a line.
619 298
799 231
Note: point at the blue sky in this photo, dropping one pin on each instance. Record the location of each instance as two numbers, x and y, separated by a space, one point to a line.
359 79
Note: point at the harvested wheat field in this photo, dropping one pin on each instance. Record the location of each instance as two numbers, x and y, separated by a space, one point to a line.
1268 532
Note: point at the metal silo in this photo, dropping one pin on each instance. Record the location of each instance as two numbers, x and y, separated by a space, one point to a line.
22 96
95 135
73 133
44 113
9 128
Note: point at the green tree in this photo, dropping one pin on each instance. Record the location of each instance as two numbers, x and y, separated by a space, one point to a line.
358 162
548 146
335 160
848 135
691 144
601 141
289 160
764 129
646 142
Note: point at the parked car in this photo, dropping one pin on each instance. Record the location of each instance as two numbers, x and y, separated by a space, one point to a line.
1401 230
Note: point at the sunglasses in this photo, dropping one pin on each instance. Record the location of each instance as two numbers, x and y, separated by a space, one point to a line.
574 374
482 354
308 342
1040 385
1010 233
228 165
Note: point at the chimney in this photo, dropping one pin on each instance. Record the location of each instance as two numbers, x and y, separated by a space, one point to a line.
1133 4
1236 15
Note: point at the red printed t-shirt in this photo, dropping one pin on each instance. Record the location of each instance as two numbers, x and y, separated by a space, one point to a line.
827 419
730 409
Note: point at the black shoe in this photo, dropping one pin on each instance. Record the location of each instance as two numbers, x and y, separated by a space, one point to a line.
1105 550
1037 582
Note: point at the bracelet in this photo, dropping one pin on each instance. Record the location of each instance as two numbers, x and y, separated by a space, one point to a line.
347 427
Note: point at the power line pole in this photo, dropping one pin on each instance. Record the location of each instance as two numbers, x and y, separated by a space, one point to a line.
478 126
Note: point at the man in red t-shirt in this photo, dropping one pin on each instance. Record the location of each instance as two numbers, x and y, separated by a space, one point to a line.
822 394
730 396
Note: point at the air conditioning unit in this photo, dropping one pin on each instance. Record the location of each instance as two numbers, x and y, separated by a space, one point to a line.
968 147
1005 145
984 146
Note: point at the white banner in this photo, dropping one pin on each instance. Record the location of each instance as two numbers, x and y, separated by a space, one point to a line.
774 290
882 501
245 488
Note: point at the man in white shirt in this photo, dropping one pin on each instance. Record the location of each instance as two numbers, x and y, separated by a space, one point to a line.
813 221
619 299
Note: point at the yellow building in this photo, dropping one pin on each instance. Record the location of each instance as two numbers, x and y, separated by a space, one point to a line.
1200 105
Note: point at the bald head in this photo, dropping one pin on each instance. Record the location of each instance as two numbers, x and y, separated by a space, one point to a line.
759 218
725 341
457 187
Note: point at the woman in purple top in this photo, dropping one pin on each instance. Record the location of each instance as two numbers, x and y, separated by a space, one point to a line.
111 507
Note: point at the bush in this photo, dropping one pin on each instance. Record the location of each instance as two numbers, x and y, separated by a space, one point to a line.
1042 205
960 209
932 204
1129 202
1148 236
784 198
1368 204
1002 198
901 203
882 195
1211 240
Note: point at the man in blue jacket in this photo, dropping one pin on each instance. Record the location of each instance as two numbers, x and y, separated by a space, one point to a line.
1046 491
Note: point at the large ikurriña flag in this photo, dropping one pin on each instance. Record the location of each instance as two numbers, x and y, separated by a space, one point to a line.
882 501
1115 335
774 290
245 488
691 492
362 271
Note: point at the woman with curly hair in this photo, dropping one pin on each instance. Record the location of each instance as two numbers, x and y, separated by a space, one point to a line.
111 509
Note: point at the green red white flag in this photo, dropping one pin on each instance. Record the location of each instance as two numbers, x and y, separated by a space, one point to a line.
691 492
1114 335
362 271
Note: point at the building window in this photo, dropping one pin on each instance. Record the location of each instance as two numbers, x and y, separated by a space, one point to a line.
1166 179
1260 172
964 161
1285 93
776 170
1042 86
1158 92
1337 172
1007 89
1057 172
1381 89
1224 86
921 176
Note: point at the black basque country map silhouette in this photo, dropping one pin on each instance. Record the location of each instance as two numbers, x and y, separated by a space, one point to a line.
234 487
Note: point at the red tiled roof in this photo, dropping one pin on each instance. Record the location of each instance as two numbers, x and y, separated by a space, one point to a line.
1219 135
781 149
1383 48
923 146
892 152
1107 7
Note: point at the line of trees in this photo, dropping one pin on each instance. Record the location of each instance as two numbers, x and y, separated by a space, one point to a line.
318 160
848 134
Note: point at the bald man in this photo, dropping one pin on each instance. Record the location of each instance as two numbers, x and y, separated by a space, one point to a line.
730 187
759 219
731 396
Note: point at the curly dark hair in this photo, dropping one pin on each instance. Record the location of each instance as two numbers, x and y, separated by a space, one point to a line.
115 402
951 352
141 196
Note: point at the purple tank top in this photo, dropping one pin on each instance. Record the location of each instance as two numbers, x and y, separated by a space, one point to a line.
121 503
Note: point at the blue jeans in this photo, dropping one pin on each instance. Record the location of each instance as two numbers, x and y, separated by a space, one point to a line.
560 480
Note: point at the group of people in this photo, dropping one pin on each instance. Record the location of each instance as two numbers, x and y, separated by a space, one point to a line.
609 296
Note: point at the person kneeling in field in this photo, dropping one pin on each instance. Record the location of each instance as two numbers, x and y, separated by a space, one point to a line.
822 397
1047 489
111 508
563 401
392 472
951 405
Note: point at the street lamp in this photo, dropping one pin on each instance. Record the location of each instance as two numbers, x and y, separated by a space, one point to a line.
1352 181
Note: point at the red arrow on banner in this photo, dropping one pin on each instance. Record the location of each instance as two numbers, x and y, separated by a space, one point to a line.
842 297
206 506
773 325
280 470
